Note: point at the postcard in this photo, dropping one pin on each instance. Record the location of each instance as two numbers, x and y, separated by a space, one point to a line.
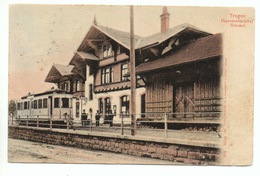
104 84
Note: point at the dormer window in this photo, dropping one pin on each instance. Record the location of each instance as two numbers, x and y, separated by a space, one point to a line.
107 50
77 85
64 86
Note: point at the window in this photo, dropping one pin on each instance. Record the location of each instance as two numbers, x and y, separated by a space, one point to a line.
90 92
77 85
64 86
107 50
56 102
35 104
45 103
124 104
124 70
40 103
100 105
107 105
119 49
25 105
77 109
31 104
91 70
19 106
65 102
107 75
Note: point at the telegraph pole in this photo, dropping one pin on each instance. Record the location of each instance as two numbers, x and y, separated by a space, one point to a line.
132 73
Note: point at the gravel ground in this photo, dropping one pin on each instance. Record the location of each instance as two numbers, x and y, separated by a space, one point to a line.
20 151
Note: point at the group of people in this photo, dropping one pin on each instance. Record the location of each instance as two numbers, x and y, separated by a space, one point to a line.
108 118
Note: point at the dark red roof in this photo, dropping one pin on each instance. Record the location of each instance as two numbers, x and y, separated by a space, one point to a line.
200 49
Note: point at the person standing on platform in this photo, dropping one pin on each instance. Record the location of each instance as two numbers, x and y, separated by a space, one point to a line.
97 117
110 117
84 118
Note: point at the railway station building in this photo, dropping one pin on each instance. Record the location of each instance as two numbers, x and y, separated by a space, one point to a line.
177 70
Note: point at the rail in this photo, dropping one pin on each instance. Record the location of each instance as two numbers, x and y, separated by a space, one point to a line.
189 126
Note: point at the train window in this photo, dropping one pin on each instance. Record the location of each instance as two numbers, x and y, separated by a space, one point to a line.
35 104
31 104
45 103
65 102
24 105
18 106
40 103
56 102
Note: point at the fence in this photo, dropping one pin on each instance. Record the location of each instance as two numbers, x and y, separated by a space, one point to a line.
156 125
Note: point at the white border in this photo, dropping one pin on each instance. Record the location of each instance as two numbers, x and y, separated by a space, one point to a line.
86 169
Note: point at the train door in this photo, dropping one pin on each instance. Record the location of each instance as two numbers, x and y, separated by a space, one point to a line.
184 100
50 105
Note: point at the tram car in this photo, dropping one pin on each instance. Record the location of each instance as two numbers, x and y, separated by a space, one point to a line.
53 105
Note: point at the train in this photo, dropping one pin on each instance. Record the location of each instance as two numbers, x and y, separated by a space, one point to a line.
52 105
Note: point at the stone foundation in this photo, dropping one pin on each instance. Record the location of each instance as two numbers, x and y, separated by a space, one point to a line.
139 147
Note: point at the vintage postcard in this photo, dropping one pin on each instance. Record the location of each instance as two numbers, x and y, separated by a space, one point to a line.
99 84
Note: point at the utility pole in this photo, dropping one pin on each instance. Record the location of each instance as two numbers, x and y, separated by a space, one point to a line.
132 73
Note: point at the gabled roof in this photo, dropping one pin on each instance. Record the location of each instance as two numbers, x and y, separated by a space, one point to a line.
121 37
162 36
200 49
87 56
57 71
63 69
80 57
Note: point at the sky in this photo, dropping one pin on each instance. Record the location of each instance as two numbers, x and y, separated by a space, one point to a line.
41 35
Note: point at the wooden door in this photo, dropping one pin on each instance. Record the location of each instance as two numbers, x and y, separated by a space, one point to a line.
184 100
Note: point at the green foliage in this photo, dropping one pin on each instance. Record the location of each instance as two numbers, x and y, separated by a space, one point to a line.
12 107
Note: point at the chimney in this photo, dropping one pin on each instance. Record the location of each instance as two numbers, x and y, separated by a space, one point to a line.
165 20
95 21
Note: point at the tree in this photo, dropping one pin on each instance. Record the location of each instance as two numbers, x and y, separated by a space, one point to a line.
12 107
